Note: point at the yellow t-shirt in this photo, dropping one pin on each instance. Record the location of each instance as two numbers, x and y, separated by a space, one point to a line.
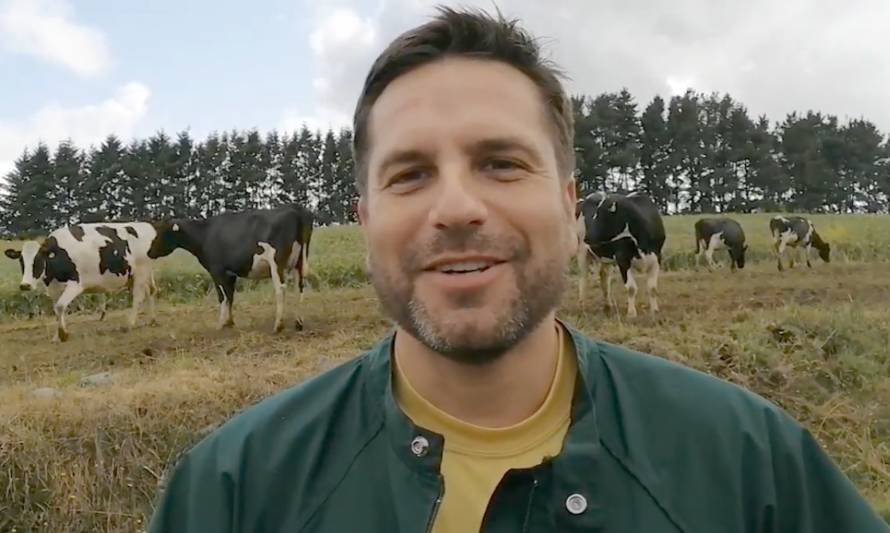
475 458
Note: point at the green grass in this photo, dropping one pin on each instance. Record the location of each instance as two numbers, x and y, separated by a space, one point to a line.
815 341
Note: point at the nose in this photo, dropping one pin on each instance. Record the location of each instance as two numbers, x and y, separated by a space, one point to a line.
24 287
458 202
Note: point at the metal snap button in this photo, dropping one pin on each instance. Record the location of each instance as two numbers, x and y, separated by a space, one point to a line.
420 446
576 504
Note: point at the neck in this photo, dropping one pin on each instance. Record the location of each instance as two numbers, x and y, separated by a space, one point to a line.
501 393
191 233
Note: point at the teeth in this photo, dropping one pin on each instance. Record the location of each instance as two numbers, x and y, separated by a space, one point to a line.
465 266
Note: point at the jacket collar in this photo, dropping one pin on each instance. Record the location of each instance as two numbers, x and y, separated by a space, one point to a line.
421 449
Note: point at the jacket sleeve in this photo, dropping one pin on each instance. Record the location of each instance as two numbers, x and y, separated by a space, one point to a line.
198 497
812 495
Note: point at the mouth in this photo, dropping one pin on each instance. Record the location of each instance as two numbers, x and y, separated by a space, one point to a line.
458 266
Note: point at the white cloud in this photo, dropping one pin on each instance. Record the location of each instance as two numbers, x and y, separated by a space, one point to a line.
44 28
343 43
774 57
85 125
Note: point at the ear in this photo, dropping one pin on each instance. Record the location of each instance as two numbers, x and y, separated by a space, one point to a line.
13 254
362 211
570 195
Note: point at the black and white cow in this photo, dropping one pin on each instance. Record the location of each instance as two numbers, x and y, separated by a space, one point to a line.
625 231
90 258
797 232
253 244
715 233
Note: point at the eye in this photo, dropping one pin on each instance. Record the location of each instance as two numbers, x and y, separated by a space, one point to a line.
409 179
502 168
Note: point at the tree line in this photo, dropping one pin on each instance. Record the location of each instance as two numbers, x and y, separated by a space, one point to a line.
696 153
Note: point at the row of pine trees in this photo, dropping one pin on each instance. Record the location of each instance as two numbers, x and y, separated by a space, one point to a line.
697 153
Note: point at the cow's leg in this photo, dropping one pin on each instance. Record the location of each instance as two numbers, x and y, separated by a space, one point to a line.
103 305
138 293
279 284
152 291
298 321
72 291
709 255
779 247
605 272
630 285
225 291
806 252
652 285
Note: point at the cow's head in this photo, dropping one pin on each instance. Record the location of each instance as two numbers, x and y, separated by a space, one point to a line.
604 218
822 246
32 262
168 237
737 253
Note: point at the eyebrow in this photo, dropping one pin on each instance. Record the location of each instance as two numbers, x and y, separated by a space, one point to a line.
505 144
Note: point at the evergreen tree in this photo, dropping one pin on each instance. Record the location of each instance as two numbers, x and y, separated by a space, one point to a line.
212 162
67 183
654 153
589 151
16 201
135 182
310 168
624 157
804 141
769 184
183 180
328 201
347 194
234 192
103 182
250 166
271 157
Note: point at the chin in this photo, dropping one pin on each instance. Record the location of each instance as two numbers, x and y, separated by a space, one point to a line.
475 336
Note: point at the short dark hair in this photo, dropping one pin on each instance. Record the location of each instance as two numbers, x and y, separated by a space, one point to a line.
467 33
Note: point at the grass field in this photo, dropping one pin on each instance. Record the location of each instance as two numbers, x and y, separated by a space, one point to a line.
817 342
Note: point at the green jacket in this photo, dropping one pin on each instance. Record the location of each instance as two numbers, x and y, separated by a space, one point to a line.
653 447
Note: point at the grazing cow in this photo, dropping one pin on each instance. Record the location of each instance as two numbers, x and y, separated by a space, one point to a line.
253 244
714 233
799 233
624 231
90 258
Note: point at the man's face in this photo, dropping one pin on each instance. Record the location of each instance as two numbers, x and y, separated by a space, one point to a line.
468 223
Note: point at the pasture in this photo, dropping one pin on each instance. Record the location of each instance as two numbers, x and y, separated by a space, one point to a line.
817 342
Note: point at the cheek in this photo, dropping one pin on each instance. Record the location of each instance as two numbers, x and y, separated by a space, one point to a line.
391 231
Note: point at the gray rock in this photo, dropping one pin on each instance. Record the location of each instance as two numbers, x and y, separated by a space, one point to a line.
46 392
102 378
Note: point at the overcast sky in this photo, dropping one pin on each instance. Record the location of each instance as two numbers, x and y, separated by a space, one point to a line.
88 68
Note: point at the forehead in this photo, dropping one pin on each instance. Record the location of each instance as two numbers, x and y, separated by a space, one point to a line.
30 248
457 98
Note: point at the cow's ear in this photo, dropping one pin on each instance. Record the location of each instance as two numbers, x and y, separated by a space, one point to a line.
12 254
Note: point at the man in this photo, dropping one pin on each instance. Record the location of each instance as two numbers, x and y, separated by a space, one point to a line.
482 411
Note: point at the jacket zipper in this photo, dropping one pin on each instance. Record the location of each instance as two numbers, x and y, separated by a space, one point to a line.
436 504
